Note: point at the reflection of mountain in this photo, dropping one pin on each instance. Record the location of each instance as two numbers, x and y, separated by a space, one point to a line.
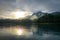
49 22
44 21
48 26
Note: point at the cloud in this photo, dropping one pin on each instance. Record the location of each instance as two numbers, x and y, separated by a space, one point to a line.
41 5
6 6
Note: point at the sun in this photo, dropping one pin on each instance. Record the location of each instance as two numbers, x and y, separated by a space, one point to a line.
20 14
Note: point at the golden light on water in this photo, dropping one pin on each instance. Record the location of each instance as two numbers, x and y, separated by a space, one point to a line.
20 32
23 32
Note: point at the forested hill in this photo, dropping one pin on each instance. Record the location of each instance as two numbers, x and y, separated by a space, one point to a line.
50 18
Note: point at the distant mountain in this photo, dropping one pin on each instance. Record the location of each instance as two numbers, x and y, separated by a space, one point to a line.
38 14
49 22
50 18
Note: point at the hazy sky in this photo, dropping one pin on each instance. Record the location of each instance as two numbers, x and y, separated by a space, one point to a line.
7 6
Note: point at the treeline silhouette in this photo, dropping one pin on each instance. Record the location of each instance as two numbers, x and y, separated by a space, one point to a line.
13 22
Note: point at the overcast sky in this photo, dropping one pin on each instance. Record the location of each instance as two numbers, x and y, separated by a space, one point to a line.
7 6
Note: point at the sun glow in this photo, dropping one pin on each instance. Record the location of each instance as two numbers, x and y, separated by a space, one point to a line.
20 14
20 32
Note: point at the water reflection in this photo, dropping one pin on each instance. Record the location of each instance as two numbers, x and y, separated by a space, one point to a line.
17 30
26 33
